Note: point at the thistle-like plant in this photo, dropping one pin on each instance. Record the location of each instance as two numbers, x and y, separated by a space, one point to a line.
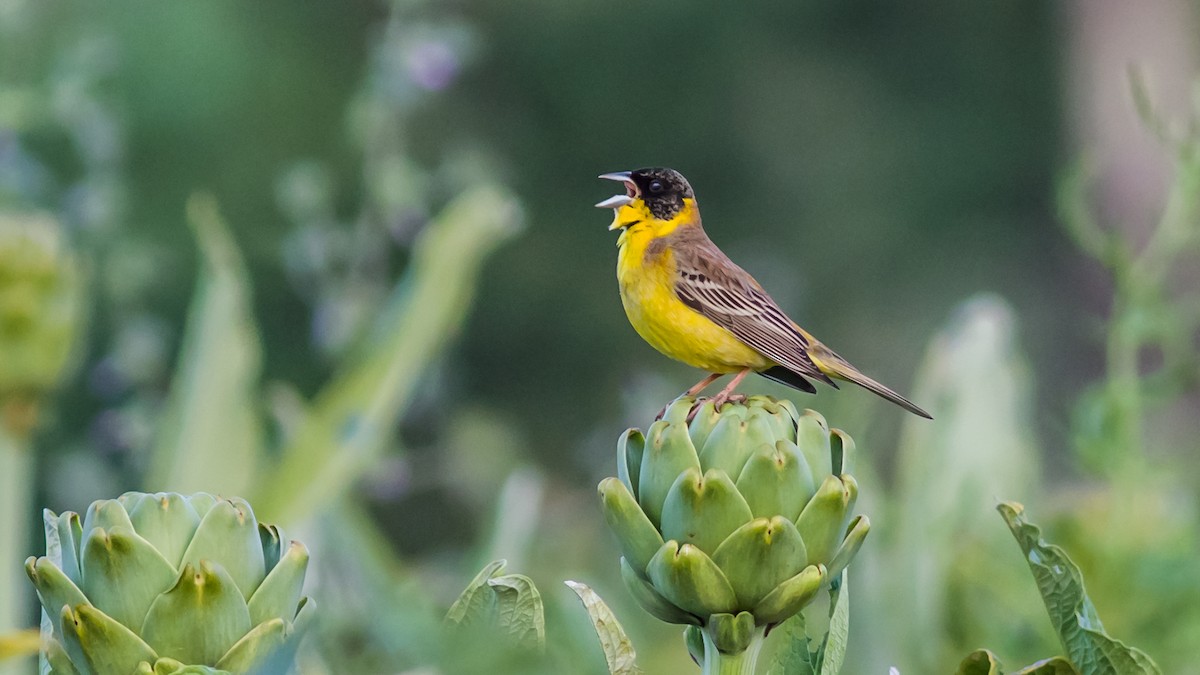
160 583
733 522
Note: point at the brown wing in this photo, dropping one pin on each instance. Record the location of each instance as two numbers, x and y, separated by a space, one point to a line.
710 283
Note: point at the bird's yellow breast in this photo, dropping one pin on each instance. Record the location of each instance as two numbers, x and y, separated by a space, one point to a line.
646 275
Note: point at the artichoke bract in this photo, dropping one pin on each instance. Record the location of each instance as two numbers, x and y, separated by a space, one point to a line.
162 583
733 522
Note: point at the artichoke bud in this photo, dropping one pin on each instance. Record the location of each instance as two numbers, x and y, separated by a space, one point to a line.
734 521
164 583
651 600
850 545
638 537
843 451
731 633
40 304
668 453
821 521
629 458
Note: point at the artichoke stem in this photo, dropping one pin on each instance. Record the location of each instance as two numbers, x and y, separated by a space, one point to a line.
741 663
16 476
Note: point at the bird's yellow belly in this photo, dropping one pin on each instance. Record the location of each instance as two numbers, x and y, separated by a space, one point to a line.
678 331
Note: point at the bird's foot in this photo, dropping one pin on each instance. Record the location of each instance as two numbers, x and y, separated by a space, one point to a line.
716 401
722 398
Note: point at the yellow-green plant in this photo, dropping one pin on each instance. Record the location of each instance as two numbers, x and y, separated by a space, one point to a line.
731 523
39 319
162 583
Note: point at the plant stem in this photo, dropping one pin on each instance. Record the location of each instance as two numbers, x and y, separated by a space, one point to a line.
742 663
16 479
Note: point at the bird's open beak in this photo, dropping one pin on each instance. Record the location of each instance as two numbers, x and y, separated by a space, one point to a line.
617 201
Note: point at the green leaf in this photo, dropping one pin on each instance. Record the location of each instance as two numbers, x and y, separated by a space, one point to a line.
798 653
212 438
519 609
693 638
511 604
199 619
1074 617
795 654
618 650
1054 666
472 603
980 662
833 653
353 418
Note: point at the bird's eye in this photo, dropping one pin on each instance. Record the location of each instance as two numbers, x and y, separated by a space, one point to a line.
656 186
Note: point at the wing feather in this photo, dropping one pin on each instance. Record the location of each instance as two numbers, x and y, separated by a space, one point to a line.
711 284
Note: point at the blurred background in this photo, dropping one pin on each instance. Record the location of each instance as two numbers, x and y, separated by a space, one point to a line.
341 258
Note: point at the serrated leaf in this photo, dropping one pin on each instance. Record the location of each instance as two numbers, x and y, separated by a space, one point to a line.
519 610
1074 617
794 656
798 653
833 652
1055 666
618 650
472 603
979 662
511 604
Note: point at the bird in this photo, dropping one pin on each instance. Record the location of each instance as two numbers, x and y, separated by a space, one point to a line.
686 298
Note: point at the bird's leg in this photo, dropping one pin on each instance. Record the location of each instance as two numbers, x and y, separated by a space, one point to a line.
696 389
725 394
699 386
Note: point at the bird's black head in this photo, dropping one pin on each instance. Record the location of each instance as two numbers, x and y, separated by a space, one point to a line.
662 189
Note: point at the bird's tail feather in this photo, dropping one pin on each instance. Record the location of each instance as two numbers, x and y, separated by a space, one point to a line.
835 366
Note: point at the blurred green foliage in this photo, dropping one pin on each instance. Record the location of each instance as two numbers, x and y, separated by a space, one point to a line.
872 165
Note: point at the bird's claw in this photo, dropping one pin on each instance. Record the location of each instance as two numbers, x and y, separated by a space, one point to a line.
717 401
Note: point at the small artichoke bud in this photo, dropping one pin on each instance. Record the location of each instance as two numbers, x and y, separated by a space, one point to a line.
735 520
39 304
159 583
